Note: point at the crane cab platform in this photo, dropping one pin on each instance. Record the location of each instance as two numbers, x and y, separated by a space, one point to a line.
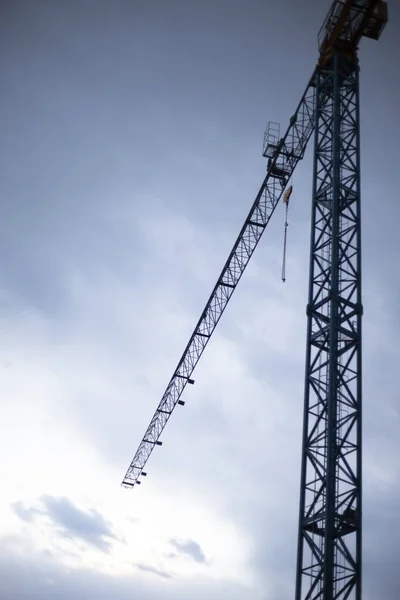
272 147
272 136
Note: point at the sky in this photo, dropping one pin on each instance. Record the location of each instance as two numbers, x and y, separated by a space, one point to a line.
130 148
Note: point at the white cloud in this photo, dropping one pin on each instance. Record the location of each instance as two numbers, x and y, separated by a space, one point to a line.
80 393
69 399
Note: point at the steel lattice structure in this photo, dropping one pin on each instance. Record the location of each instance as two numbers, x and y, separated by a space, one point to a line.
329 551
329 535
283 155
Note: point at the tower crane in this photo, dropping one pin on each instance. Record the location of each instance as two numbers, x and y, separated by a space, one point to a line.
330 526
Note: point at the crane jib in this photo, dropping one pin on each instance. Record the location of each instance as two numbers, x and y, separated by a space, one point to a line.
286 155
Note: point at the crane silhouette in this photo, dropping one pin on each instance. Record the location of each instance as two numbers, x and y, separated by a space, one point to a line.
330 514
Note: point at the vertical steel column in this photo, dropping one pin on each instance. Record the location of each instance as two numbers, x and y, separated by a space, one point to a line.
329 544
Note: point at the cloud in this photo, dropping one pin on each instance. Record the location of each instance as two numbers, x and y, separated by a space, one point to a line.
70 521
154 570
25 513
91 527
37 576
189 548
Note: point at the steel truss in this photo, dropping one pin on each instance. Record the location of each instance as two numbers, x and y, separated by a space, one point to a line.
329 546
283 158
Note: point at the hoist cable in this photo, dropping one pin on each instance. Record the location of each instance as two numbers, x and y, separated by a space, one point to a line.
284 245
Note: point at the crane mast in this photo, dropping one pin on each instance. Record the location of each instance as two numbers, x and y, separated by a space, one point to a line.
329 537
330 511
329 554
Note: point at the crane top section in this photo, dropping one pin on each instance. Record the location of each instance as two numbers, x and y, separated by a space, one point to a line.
349 20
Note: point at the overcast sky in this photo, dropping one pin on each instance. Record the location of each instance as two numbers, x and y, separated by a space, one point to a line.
130 146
